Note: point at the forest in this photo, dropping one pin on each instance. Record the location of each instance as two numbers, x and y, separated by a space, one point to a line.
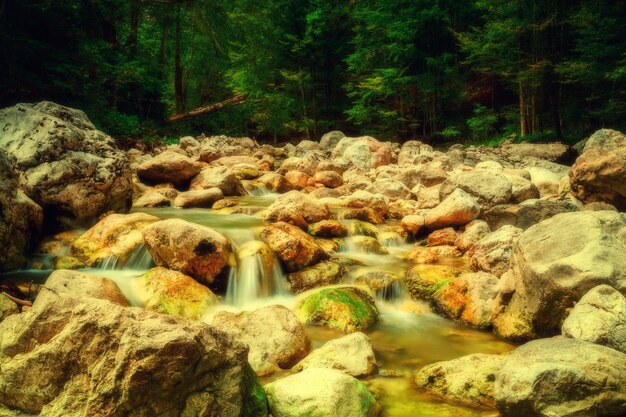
471 70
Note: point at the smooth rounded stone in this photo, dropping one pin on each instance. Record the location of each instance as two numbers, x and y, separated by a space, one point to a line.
329 179
328 229
490 166
598 173
234 160
413 223
351 354
442 237
67 262
365 214
348 309
306 163
562 377
422 255
115 236
326 193
492 253
364 152
391 188
364 199
194 250
152 198
413 152
553 264
198 198
319 392
246 171
471 234
599 317
457 209
331 139
275 182
69 168
168 166
546 181
597 206
298 209
174 293
295 248
298 180
522 188
221 177
422 281
426 197
488 188
468 299
274 334
468 380
143 363
21 219
366 244
318 275
63 282
7 307
339 165
188 142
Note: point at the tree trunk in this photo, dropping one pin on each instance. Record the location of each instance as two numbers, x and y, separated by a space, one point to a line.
178 68
240 99
522 111
131 42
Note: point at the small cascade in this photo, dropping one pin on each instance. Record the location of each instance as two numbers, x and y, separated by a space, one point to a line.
391 239
109 263
256 189
139 259
393 293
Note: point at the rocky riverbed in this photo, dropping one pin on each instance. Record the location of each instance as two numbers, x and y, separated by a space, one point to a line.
346 277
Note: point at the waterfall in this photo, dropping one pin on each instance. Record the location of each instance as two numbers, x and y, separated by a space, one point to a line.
139 259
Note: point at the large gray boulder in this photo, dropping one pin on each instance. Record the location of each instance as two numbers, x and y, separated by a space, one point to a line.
20 219
488 187
65 164
364 152
561 377
80 353
553 264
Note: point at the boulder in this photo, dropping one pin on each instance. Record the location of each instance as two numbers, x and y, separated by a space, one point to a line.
275 182
468 380
168 166
66 166
364 152
198 198
331 139
351 354
457 209
172 292
21 219
365 244
489 188
364 199
422 281
413 223
468 299
319 392
442 237
348 309
153 198
318 275
307 163
561 377
599 317
328 229
329 179
115 237
391 188
553 264
598 173
7 307
426 197
493 252
194 250
74 354
67 262
221 177
527 213
295 248
546 180
471 234
522 189
414 152
298 209
553 152
298 180
276 338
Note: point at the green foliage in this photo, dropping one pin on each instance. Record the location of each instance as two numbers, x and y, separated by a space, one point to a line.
482 123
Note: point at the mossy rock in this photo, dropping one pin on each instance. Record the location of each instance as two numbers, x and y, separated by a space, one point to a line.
367 244
323 273
422 281
348 309
255 402
67 262
359 227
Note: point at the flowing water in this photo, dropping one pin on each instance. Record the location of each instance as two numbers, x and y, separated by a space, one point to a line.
407 336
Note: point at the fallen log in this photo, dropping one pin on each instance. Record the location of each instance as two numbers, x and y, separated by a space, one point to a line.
239 99
23 303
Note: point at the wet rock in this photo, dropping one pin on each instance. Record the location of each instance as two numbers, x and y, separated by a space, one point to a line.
352 354
471 234
457 209
174 293
468 380
348 309
468 299
319 392
366 244
298 209
384 284
364 152
413 223
153 198
328 229
67 262
442 237
66 166
192 249
298 180
553 264
275 183
493 252
365 214
168 166
62 283
358 227
258 254
422 255
329 179
140 362
220 177
489 188
274 334
115 236
598 173
295 248
21 219
363 199
331 139
599 317
561 377
318 275
7 307
422 281
246 171
198 198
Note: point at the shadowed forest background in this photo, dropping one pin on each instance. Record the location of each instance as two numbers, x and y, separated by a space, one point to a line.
468 70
